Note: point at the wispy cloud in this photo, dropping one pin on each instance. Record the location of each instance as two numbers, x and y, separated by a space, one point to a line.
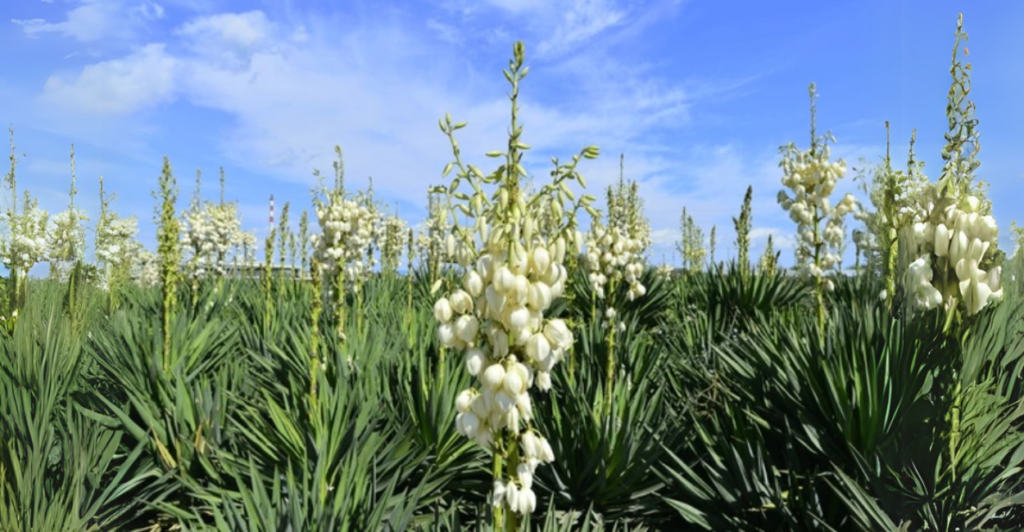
143 78
94 20
279 91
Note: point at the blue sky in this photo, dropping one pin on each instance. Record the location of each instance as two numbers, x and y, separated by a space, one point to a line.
698 94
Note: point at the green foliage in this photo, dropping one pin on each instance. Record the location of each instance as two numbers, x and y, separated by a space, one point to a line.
731 404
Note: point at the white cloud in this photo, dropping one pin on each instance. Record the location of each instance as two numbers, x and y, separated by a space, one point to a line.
95 20
379 88
144 78
782 239
236 30
580 22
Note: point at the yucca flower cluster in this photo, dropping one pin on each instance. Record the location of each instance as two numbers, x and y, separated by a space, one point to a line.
616 252
116 246
115 241
212 232
65 235
613 255
954 241
812 177
513 262
28 245
626 211
497 317
348 228
146 269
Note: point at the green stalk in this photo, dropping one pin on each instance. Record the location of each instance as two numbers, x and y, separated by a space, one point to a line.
610 360
512 521
316 308
954 436
819 285
268 284
497 467
339 302
169 255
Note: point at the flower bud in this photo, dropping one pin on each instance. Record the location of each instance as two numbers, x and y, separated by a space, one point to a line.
517 318
475 360
514 383
485 438
529 444
558 334
461 302
512 497
473 283
539 296
522 286
993 278
986 228
511 419
442 310
524 475
538 349
543 380
527 501
498 493
466 328
467 424
540 260
446 335
545 452
493 376
525 406
504 400
464 401
941 241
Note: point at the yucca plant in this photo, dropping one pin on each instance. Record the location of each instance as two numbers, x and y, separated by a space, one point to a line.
60 470
173 402
607 462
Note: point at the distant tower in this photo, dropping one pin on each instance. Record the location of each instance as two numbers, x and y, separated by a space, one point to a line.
271 214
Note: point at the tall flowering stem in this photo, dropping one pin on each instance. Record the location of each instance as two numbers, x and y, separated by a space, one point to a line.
267 278
511 272
347 229
811 178
284 231
316 309
169 252
27 245
743 225
955 238
304 240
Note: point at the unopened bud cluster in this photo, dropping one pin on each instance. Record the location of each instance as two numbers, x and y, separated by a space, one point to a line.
394 234
954 240
431 247
497 317
811 178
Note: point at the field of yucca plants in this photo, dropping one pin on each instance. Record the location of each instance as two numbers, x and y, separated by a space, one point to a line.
509 368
